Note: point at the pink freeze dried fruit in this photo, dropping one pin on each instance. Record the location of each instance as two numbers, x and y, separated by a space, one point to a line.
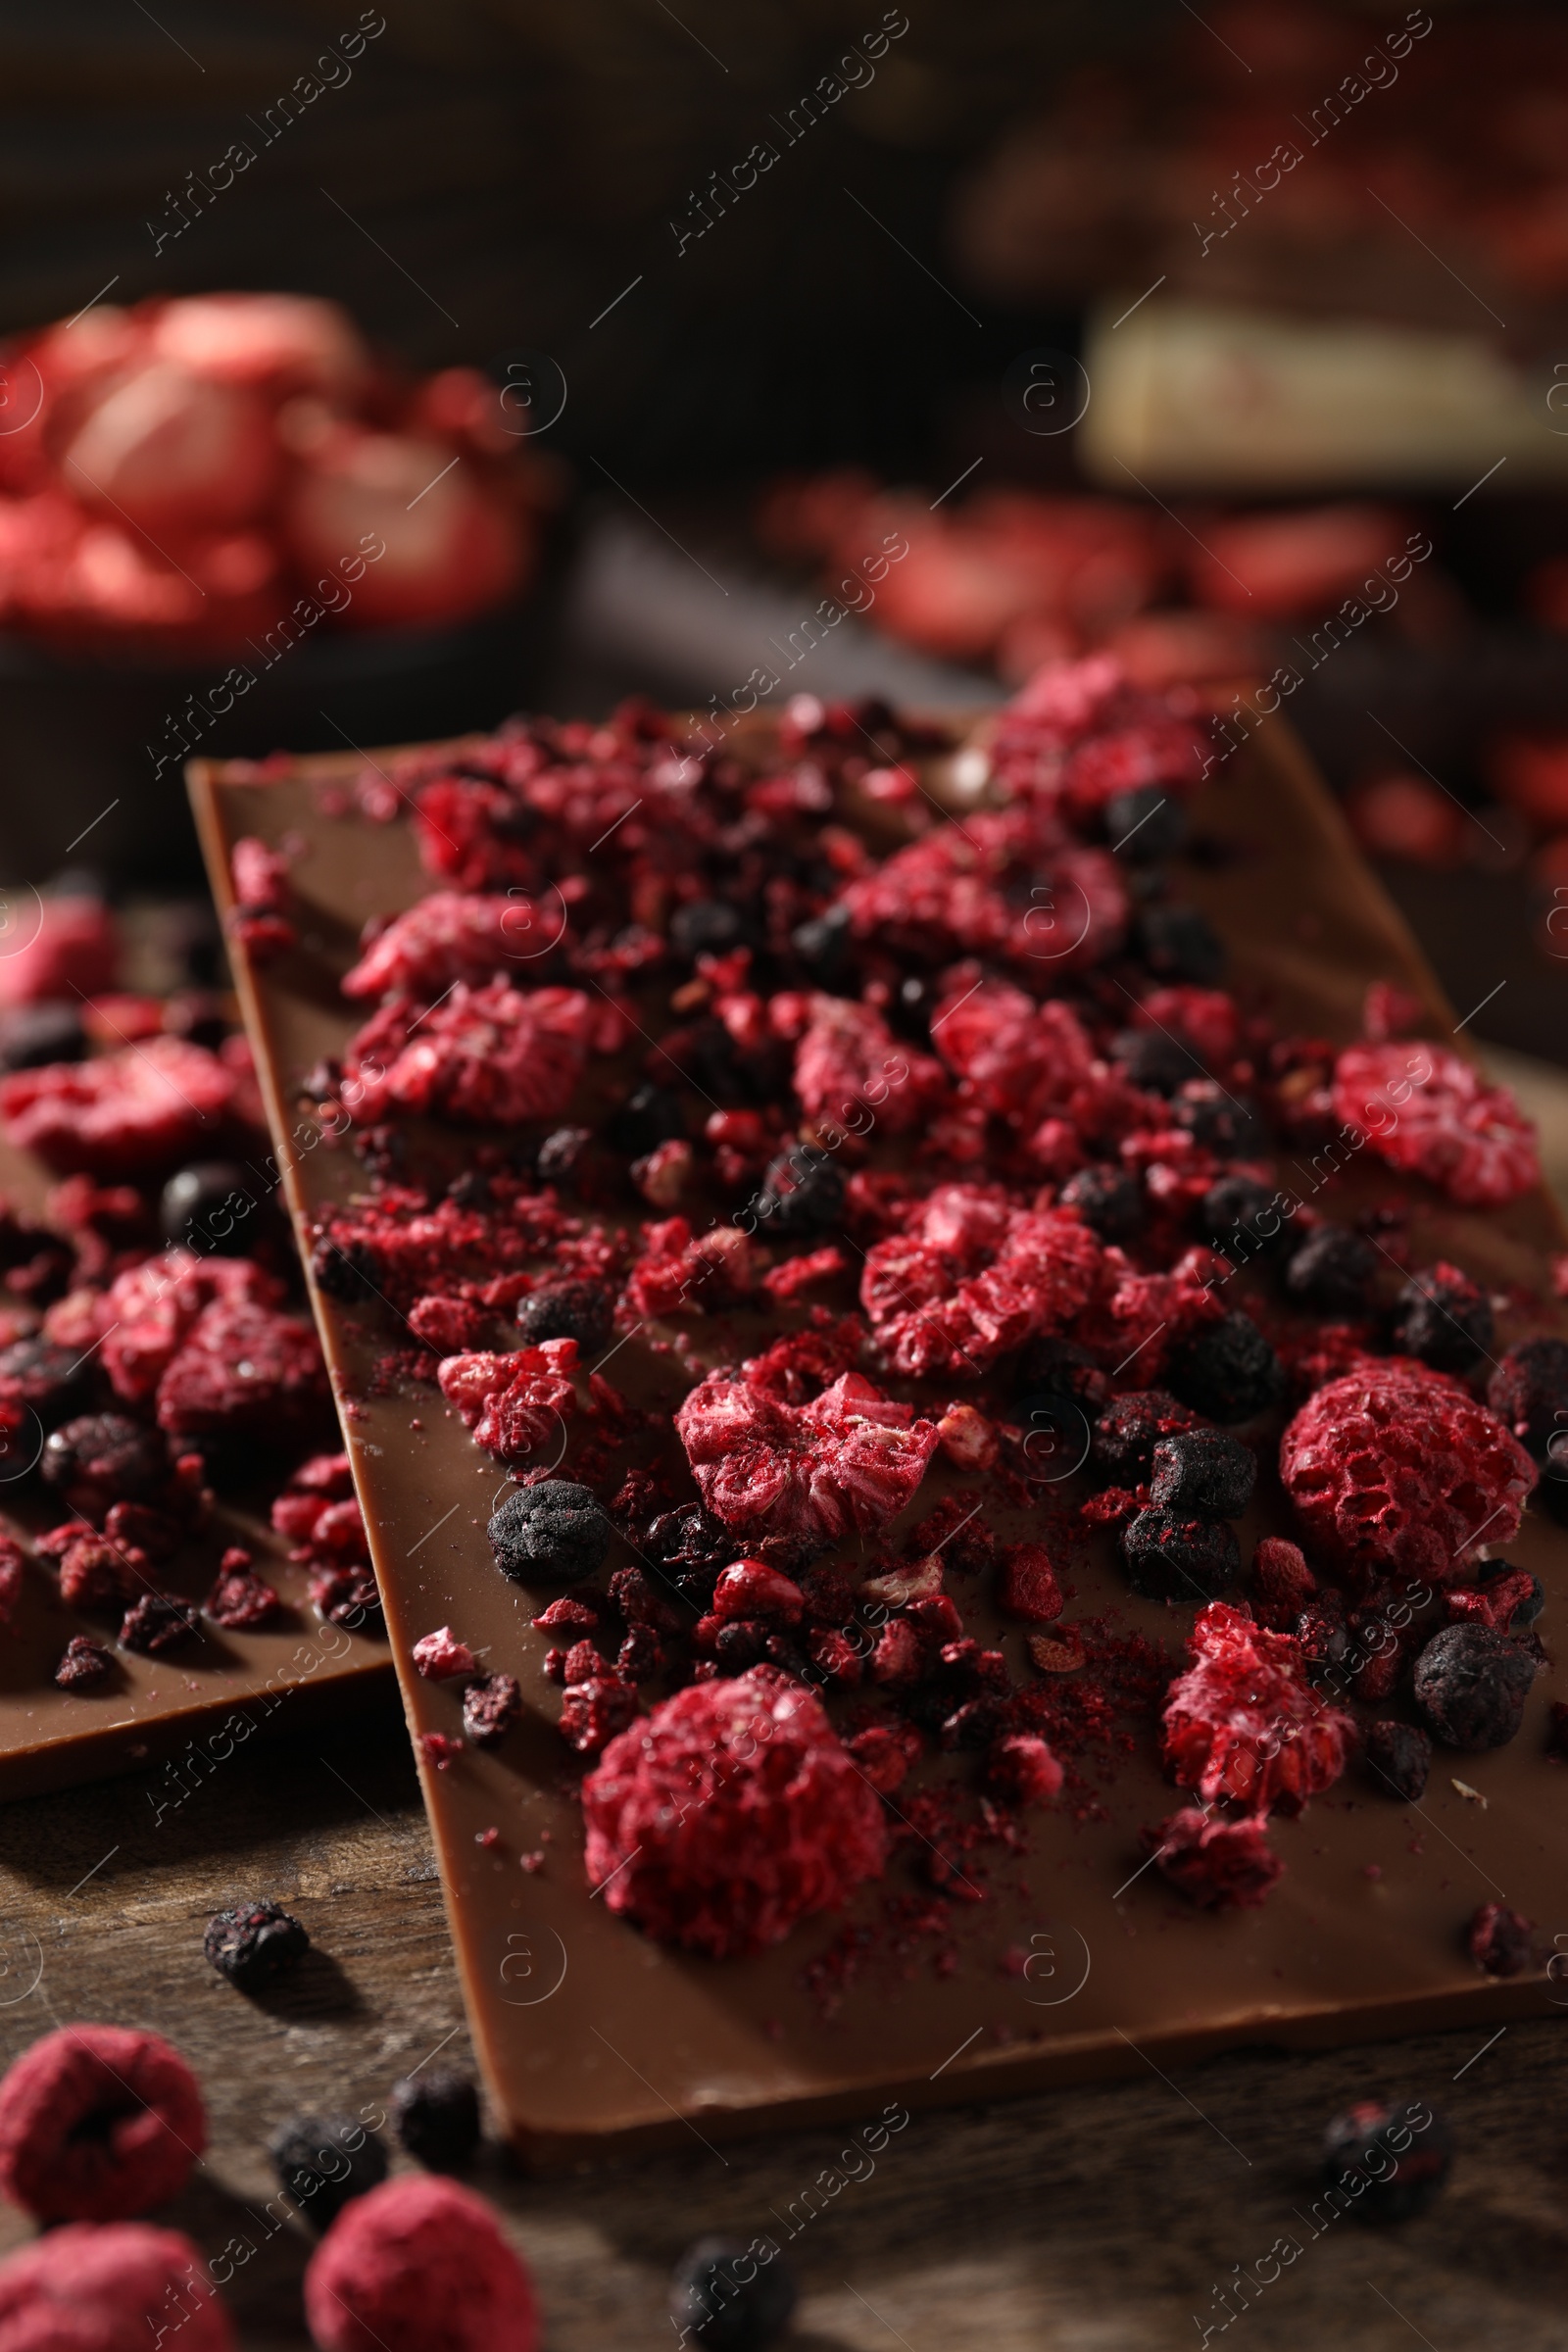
730 1814
440 1656
1425 1109
1244 1723
850 1459
98 2123
1396 1470
111 2289
973 1277
454 935
494 1056
418 2265
119 1113
1217 1865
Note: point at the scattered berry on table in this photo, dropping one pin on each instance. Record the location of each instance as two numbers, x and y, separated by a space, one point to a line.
435 2114
254 1943
728 2297
110 2289
1386 2160
324 2161
418 2262
97 2123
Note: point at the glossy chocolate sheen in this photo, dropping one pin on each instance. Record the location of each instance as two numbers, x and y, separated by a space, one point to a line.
1079 1962
173 1718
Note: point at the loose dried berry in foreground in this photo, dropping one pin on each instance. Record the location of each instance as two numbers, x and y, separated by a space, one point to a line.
728 2297
1386 2162
254 1943
97 2123
419 2265
849 1461
436 2116
1242 1723
1395 1469
730 1813
1471 1685
324 2161
112 2289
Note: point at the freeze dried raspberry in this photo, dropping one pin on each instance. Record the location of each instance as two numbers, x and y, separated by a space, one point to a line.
1499 1940
98 1575
1020 1057
1424 1109
513 1403
1471 1685
245 1373
974 1276
104 1458
1218 1865
490 1706
440 1656
240 1600
731 1813
83 1664
150 1310
708 1274
1282 1582
751 1588
455 935
481 1056
449 1326
1022 1770
1245 1723
156 1623
1397 1470
1157 750
1144 1319
1027 1586
119 1113
112 2290
419 2265
595 1710
98 2123
850 1458
254 1945
1205 1020
1511 1598
938 897
259 918
849 1061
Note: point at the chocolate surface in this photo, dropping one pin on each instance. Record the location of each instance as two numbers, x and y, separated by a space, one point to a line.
1078 1961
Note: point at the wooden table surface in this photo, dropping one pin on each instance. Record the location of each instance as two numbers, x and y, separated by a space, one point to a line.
1094 2221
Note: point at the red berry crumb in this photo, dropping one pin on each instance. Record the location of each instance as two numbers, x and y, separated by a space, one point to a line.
83 1664
1218 1865
241 1600
1395 1469
114 2290
98 2123
441 1748
1244 1722
1022 1770
11 1559
1498 1940
731 1813
417 2264
440 1656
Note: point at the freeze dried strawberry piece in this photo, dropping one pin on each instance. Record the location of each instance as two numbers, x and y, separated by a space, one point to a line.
513 1403
1397 1470
1424 1109
1027 1586
456 935
240 1600
850 1459
96 1574
973 1277
1245 1723
1217 1865
245 1371
448 1326
730 1814
119 1113
1020 1057
440 1656
483 1056
849 1061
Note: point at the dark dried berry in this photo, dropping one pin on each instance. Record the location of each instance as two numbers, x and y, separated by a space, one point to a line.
83 1665
707 927
1498 1940
156 1623
822 944
489 1706
1398 1758
1216 1118
1107 1198
549 1534
1227 1370
323 2161
1172 1556
725 2299
1153 1059
32 1036
560 1156
1201 1470
693 1546
1128 1431
1176 943
104 1458
914 1000
651 1115
801 1193
581 1309
1146 823
344 1270
740 1644
47 1378
1443 1318
254 1943
436 2116
1386 2161
1526 1610
1331 1270
470 1190
1240 1216
1529 1390
1058 1368
1471 1686
215 1206
1320 1631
